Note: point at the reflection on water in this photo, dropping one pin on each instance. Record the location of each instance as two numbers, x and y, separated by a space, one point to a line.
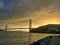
19 38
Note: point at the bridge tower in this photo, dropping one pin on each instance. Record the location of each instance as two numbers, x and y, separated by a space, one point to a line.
30 28
5 28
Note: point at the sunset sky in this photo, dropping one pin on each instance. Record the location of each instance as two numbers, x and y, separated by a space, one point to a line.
16 13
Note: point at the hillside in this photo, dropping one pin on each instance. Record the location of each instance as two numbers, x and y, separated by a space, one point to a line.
50 28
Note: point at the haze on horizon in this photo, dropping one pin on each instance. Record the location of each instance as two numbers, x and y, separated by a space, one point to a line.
16 13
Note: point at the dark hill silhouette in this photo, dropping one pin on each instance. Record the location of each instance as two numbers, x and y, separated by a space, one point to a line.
50 28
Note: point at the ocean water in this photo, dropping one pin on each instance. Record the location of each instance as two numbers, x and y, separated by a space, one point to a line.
20 38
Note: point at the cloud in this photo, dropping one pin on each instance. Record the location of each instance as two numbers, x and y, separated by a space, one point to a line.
1 5
58 4
19 9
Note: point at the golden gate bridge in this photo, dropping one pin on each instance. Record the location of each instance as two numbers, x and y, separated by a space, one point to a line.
30 26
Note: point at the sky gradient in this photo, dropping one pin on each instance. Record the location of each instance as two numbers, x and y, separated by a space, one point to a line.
16 13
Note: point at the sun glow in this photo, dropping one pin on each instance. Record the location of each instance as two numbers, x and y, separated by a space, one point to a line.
49 22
